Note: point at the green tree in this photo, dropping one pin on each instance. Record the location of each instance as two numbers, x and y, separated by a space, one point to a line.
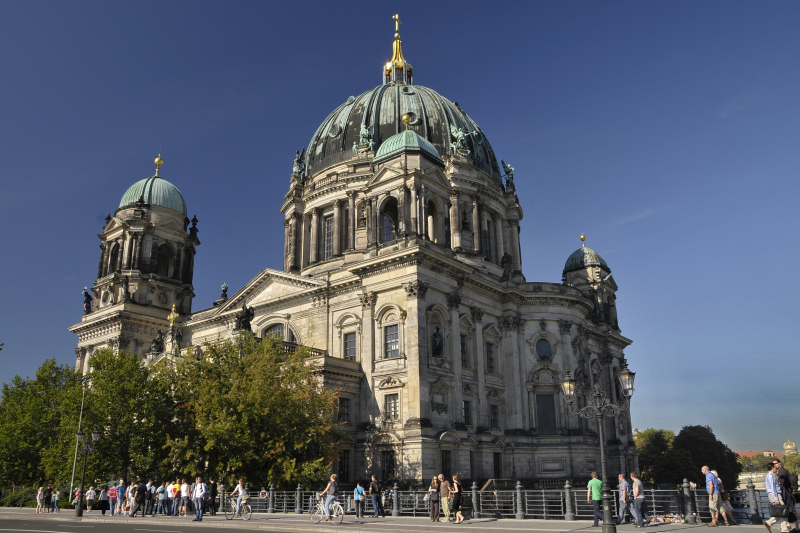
704 449
250 409
30 411
654 447
130 406
758 461
792 464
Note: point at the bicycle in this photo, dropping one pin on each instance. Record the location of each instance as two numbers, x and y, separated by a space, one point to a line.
245 513
318 512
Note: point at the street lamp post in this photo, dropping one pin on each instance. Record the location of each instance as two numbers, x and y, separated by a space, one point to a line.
83 381
599 407
86 449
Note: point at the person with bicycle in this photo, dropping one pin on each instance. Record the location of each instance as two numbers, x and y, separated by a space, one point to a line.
241 490
332 490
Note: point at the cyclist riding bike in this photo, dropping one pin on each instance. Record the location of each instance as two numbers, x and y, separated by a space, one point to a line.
241 490
332 491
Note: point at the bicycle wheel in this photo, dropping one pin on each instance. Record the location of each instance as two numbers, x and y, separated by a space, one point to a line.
247 511
337 514
317 513
228 510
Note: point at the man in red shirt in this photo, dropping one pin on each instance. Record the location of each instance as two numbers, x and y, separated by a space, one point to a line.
112 498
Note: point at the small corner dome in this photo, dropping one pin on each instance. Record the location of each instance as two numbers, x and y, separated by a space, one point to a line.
585 257
405 141
155 191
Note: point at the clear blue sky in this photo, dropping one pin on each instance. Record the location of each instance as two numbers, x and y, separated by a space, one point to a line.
666 131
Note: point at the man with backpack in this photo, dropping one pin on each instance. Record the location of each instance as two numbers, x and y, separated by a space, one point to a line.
199 491
625 499
375 490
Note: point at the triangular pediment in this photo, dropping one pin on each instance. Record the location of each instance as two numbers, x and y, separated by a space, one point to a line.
113 224
267 286
383 175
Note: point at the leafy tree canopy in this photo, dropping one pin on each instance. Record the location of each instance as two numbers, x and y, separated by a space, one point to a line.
758 462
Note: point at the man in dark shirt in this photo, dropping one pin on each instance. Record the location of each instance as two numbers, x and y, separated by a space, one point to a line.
48 499
140 493
785 481
212 496
375 494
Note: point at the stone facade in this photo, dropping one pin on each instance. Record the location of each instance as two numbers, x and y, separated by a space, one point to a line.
407 275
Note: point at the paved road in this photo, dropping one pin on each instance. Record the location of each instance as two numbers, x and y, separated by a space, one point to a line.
26 521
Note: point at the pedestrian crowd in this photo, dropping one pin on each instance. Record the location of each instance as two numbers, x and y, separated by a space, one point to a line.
47 500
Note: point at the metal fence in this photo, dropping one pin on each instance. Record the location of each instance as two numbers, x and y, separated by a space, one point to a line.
544 504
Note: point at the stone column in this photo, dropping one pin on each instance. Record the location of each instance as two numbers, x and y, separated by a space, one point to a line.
401 211
455 224
370 220
487 253
368 355
498 229
423 199
414 210
102 262
128 250
416 348
314 252
140 251
287 245
480 367
511 366
454 302
513 237
353 219
337 223
297 234
379 237
476 226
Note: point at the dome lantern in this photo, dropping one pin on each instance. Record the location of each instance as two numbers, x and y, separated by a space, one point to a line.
398 71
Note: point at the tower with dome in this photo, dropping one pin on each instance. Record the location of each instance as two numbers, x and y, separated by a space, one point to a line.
402 269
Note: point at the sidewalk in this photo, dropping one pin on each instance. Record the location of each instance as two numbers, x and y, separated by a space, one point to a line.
403 524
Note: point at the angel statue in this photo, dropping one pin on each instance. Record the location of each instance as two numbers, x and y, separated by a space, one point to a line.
297 166
458 140
365 142
509 170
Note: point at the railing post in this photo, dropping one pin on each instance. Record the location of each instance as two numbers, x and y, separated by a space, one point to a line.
569 515
690 518
298 502
755 515
396 501
221 508
271 502
520 514
476 508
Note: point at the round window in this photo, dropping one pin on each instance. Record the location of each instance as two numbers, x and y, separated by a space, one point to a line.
543 349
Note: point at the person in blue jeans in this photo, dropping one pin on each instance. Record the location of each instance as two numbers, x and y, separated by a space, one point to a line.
332 490
198 495
625 500
594 495
375 490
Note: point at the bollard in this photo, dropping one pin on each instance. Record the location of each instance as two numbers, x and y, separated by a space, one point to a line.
569 515
221 508
476 513
755 516
520 514
298 502
271 497
396 501
690 518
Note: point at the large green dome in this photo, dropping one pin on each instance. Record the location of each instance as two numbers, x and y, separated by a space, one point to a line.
406 141
155 191
584 257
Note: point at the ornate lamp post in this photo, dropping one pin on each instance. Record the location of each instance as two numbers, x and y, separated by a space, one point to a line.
86 449
599 407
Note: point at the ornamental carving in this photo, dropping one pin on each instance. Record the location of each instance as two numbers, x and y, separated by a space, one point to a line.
467 390
390 382
494 394
367 299
454 299
543 324
477 314
564 326
416 289
511 323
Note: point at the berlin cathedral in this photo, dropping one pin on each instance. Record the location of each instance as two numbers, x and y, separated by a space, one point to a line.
402 270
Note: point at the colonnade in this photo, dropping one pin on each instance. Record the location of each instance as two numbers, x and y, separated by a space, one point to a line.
414 211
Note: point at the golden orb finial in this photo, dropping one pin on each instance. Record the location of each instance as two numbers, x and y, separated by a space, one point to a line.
158 163
583 239
406 120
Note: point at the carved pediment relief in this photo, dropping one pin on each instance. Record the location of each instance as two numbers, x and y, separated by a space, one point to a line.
390 382
494 394
468 390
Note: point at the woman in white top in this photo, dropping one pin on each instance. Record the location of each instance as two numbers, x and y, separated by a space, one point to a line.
90 494
103 500
39 500
241 490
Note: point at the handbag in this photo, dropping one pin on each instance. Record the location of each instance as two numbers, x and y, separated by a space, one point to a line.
778 510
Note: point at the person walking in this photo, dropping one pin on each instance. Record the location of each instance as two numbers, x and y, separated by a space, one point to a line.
375 490
444 492
161 498
120 496
198 495
625 499
112 498
90 496
457 492
787 493
726 511
47 499
138 496
332 490
639 502
714 501
594 495
40 500
433 499
103 500
56 498
212 496
184 497
358 499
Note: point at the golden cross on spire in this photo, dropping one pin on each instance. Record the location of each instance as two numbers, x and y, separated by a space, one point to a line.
172 316
397 23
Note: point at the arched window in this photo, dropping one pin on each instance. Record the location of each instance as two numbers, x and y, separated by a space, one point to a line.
390 218
275 331
543 349
163 260
112 264
432 220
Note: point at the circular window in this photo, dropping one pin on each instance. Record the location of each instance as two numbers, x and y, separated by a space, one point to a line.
334 131
543 349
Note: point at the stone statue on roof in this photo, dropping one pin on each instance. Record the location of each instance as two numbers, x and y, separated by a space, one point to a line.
509 170
297 166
